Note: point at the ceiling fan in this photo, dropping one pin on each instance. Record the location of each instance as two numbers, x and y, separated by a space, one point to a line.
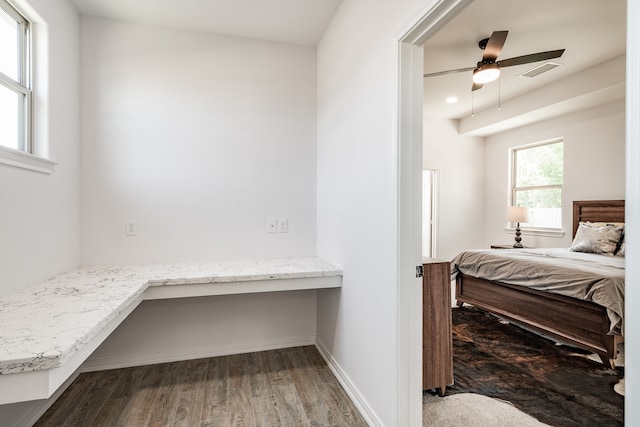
488 69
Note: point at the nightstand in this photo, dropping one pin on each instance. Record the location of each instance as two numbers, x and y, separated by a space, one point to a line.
508 247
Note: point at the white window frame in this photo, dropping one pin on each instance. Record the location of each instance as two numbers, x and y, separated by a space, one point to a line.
541 231
25 156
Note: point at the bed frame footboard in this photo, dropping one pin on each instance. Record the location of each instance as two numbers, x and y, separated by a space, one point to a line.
580 323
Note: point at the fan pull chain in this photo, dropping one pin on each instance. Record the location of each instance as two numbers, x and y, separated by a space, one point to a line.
472 97
499 91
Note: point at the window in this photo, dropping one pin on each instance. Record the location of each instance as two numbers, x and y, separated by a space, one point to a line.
537 183
15 81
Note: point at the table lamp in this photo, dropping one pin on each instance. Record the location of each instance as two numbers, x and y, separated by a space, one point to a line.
518 214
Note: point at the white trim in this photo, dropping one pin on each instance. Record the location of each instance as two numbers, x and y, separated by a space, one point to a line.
409 302
539 143
632 212
432 20
22 160
349 387
408 362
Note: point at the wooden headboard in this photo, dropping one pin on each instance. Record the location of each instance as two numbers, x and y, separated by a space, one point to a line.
597 211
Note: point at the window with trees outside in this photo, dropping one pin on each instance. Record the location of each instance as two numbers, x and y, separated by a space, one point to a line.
15 90
537 178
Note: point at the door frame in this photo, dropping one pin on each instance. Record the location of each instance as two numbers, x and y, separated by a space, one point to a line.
409 296
409 227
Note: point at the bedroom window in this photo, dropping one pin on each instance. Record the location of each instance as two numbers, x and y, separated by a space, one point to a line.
537 178
15 82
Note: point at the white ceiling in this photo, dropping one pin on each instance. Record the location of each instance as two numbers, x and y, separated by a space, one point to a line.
288 21
591 31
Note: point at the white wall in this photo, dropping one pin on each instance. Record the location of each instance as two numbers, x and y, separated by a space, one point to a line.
594 167
358 195
199 138
460 202
191 328
39 214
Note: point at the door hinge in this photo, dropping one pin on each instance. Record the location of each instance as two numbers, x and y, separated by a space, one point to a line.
419 271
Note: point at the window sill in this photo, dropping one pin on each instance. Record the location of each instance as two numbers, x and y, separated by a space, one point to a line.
22 160
538 232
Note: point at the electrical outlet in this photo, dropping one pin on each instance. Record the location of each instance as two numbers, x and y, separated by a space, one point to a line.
272 225
131 228
283 225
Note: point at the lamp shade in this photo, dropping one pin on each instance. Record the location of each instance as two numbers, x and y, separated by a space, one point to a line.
518 214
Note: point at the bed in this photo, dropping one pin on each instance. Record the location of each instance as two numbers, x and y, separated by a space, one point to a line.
549 310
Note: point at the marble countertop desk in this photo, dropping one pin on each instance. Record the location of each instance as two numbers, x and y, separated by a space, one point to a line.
44 325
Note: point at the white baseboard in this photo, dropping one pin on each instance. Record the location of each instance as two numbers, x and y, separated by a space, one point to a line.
365 409
178 354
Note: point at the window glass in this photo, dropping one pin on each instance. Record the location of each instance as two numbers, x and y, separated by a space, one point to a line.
15 90
538 175
539 165
9 45
9 124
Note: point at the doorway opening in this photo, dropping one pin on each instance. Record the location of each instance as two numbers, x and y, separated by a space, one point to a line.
408 344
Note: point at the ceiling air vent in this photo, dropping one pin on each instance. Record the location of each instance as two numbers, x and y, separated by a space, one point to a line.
540 69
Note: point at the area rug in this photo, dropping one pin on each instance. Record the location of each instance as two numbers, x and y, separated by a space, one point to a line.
473 410
558 385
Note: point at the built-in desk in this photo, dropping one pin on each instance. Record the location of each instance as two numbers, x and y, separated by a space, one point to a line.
49 329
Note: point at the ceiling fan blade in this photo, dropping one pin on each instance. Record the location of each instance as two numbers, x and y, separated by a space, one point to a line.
442 73
494 46
534 57
476 86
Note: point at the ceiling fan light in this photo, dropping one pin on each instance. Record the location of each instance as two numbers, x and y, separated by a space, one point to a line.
486 73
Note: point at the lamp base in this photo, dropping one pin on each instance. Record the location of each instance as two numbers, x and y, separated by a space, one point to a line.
518 239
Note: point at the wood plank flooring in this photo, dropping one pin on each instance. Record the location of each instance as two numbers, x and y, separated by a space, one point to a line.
288 387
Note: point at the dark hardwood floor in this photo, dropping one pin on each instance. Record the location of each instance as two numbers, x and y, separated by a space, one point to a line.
288 387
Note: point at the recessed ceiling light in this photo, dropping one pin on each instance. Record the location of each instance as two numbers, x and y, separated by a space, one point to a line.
451 100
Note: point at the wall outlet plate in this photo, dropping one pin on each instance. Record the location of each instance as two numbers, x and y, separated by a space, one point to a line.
131 228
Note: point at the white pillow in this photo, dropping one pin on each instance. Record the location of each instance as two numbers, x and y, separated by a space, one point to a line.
597 238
